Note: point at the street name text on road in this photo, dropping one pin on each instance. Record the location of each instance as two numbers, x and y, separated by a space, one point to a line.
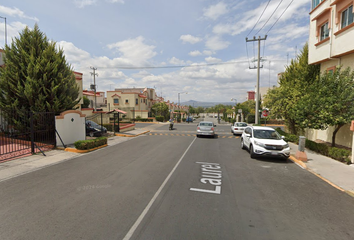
211 174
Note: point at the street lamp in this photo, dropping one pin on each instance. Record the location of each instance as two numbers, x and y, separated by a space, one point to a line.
234 99
5 30
179 103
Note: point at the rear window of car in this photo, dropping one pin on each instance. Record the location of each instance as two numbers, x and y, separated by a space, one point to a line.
241 124
206 124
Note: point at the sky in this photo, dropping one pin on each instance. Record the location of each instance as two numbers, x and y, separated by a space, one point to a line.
196 49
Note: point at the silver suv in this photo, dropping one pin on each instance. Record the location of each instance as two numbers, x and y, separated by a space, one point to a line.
264 141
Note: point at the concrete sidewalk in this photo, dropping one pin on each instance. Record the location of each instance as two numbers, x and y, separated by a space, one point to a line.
339 175
32 163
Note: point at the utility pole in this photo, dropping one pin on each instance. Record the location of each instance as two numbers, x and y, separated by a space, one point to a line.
258 72
94 84
5 30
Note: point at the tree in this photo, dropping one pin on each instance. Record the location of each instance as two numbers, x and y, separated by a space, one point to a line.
36 76
293 84
199 110
160 109
328 102
86 103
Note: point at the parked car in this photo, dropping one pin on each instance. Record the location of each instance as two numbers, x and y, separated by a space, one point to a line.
205 128
93 132
238 127
95 125
264 141
189 119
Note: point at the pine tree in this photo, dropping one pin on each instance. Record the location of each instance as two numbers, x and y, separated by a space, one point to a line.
36 76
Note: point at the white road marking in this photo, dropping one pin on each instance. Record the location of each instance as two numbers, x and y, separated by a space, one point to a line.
147 208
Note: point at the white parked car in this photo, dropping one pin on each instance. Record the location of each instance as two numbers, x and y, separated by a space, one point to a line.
264 141
238 127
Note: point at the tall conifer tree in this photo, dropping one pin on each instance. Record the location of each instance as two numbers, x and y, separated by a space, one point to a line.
36 76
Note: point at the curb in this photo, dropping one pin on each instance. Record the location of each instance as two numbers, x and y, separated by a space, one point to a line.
129 135
304 166
74 150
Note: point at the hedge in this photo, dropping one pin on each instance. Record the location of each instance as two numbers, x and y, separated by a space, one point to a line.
159 118
339 154
288 137
89 144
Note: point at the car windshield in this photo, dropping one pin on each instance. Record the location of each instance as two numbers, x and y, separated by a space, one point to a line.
206 124
266 134
241 124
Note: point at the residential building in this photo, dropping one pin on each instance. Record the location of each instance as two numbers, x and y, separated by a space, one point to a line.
331 45
100 99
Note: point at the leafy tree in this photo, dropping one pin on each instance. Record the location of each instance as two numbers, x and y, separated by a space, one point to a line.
199 110
36 76
160 109
86 103
293 84
328 102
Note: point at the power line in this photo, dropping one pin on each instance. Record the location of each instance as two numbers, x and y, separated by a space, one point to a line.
270 17
259 18
280 16
179 66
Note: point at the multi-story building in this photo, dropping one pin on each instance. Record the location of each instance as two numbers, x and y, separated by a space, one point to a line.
137 102
331 45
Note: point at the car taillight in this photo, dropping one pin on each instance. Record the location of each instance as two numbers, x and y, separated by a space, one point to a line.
198 128
236 128
212 129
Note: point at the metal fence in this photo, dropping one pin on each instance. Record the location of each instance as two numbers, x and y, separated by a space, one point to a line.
25 133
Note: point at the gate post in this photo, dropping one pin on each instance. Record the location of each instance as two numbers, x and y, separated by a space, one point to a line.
32 132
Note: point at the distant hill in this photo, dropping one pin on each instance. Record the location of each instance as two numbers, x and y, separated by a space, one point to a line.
194 103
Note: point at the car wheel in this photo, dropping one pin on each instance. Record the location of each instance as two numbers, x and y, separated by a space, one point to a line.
92 134
242 144
197 136
252 154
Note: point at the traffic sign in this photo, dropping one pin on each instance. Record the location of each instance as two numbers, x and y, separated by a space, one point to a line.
265 113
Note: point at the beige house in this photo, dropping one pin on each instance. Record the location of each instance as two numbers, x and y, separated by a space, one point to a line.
137 102
331 45
100 98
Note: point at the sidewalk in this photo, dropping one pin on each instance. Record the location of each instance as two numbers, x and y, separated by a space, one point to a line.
332 171
32 163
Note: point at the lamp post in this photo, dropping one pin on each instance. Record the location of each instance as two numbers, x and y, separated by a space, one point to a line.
234 99
179 103
5 30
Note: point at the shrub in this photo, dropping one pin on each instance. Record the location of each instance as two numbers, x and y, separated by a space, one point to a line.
159 118
288 137
339 154
89 144
251 118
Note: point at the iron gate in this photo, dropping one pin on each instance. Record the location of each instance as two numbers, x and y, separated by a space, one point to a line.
25 133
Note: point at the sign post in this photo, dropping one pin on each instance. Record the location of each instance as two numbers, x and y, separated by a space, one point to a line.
265 114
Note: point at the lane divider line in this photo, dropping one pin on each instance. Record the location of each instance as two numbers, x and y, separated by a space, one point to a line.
147 208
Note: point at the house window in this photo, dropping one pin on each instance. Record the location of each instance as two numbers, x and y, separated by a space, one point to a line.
324 31
116 101
315 3
347 17
126 101
136 101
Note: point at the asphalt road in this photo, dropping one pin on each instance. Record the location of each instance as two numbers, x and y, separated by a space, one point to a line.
172 185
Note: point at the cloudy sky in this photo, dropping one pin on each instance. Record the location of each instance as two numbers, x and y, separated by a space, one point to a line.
193 46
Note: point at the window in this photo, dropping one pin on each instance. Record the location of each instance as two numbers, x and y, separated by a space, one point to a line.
324 31
116 101
136 101
315 3
126 101
347 17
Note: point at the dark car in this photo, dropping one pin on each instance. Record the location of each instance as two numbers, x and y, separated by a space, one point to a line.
94 130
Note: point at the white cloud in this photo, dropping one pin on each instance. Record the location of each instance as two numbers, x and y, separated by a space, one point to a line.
194 53
208 52
190 39
15 12
215 43
212 60
116 1
215 11
84 3
134 51
176 61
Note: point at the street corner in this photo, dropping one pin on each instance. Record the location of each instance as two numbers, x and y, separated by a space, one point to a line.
298 162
